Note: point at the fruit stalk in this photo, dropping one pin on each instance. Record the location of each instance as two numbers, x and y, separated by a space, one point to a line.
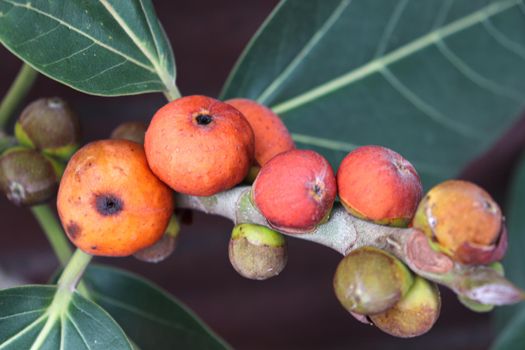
18 90
345 233
51 227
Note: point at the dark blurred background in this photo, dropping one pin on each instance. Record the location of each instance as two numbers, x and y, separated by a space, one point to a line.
296 310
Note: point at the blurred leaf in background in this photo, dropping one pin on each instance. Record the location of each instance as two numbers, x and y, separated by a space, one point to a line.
510 320
438 81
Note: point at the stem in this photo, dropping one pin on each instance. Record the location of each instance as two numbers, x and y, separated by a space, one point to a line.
74 270
16 93
345 233
56 236
173 93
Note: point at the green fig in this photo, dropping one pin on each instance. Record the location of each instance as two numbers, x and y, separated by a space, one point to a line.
257 252
49 125
369 281
27 177
414 314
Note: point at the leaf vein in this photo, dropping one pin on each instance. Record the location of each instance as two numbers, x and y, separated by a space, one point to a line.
310 45
392 24
503 40
378 64
69 56
425 108
77 30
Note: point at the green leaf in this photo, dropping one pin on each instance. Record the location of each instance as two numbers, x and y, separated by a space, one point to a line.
39 317
152 318
510 320
438 81
106 47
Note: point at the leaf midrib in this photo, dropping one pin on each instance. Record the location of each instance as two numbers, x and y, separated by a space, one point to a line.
380 63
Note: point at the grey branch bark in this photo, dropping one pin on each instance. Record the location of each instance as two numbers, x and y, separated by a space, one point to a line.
344 233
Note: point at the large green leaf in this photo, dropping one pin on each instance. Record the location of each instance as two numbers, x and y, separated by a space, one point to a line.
510 320
105 47
436 80
32 318
150 316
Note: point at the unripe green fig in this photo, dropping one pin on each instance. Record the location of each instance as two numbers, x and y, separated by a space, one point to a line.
369 281
414 314
49 125
257 252
27 177
132 131
164 247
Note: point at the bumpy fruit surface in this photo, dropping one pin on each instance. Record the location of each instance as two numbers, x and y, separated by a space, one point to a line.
109 201
271 135
199 146
50 125
295 191
369 281
414 314
256 252
464 221
377 184
27 177
132 131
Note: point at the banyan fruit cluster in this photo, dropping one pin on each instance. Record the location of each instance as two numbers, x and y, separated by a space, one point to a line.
116 198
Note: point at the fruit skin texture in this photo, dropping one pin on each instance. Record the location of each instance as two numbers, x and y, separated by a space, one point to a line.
27 177
257 252
414 314
464 221
199 146
109 201
271 135
369 281
379 185
132 131
295 191
50 125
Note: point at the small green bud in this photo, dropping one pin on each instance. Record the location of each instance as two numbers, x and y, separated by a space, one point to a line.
414 314
164 247
27 177
369 281
257 252
132 131
50 125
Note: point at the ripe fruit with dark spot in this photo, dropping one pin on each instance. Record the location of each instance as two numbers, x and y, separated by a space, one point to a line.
415 314
109 201
50 125
256 252
132 131
271 135
199 146
377 184
369 281
464 222
295 191
27 177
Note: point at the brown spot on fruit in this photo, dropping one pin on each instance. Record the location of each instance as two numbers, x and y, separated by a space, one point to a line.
108 204
73 230
119 215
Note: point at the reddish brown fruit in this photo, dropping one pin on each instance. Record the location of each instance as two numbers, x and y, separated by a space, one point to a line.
199 146
464 221
109 201
377 184
295 191
271 135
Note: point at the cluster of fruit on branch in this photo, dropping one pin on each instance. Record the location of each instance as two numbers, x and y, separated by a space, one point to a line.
116 198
